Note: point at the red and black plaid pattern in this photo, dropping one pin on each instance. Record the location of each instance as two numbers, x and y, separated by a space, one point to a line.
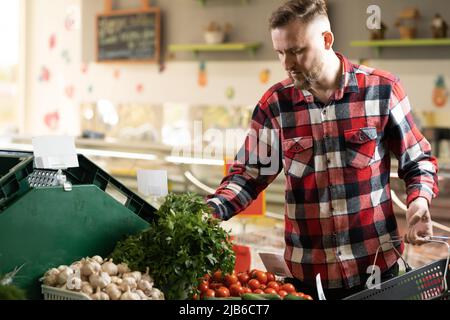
336 159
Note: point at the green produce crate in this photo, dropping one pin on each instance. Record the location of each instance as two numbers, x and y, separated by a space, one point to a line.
42 225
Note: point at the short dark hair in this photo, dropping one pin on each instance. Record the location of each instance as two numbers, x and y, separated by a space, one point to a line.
303 10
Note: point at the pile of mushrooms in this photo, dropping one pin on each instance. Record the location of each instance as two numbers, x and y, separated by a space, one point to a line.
103 280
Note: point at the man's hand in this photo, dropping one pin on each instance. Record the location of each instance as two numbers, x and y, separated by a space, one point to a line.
418 220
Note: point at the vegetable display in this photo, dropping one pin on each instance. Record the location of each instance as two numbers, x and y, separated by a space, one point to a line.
103 280
183 243
253 285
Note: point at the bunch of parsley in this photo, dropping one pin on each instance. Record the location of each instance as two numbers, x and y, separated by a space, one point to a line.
182 244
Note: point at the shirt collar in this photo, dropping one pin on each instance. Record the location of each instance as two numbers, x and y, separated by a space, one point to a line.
348 82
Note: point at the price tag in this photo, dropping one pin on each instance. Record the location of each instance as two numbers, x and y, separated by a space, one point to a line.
152 182
275 264
54 152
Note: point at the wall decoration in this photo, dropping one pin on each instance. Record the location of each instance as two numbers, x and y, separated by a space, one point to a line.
229 93
52 41
72 18
439 27
84 68
264 76
66 56
90 88
116 74
51 120
162 67
69 91
44 75
139 88
202 76
440 92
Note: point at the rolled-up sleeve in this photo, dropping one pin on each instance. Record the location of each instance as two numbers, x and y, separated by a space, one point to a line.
417 167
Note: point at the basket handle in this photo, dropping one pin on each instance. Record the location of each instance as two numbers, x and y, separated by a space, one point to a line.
429 239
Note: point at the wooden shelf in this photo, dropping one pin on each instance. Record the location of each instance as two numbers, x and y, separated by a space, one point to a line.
379 44
251 47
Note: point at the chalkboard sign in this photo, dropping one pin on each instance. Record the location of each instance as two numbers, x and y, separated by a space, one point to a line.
129 36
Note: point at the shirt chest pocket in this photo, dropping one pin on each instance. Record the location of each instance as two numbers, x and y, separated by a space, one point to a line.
298 156
360 146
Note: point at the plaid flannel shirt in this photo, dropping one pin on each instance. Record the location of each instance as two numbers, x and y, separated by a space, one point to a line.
336 159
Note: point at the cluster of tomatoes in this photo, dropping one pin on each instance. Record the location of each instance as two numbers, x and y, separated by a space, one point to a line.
234 285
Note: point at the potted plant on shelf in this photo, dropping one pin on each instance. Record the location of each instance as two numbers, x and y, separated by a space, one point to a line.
215 33
378 34
407 23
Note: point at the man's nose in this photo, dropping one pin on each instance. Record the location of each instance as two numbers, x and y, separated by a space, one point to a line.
288 62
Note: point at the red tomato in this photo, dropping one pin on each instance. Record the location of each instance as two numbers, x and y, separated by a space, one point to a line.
270 290
270 276
298 294
195 296
222 292
288 287
282 293
254 284
236 290
203 286
217 276
243 277
206 277
274 285
230 279
262 287
209 293
258 291
260 276
307 297
246 290
215 285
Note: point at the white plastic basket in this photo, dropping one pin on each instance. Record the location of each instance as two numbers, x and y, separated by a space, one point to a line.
52 293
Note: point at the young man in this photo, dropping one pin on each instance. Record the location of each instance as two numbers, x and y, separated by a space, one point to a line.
333 125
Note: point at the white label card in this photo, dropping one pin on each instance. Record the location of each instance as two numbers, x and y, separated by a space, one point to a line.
54 152
275 264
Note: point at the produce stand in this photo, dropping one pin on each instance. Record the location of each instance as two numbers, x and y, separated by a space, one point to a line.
43 224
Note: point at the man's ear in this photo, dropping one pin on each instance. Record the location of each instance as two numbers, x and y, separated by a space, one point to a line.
328 39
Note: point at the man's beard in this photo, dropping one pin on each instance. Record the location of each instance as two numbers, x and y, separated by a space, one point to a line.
304 81
302 84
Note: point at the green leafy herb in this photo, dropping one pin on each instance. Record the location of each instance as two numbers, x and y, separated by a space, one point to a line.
184 243
11 292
